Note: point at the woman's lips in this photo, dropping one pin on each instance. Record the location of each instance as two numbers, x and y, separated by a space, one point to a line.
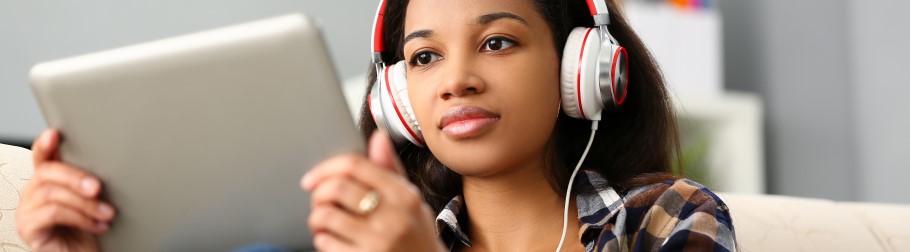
466 121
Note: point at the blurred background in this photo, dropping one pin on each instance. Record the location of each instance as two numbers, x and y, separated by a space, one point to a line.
801 98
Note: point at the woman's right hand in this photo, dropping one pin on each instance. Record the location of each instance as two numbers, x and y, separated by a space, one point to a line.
398 220
59 209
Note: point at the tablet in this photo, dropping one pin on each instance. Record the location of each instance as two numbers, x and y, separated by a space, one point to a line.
201 140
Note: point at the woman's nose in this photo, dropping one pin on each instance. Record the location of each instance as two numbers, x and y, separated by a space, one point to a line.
461 79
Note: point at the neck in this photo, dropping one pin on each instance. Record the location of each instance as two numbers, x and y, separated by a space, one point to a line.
518 211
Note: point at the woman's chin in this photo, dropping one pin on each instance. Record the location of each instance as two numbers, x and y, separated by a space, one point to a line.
475 171
479 161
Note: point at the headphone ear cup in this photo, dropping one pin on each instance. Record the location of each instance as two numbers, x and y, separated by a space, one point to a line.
578 80
391 107
375 102
398 78
619 76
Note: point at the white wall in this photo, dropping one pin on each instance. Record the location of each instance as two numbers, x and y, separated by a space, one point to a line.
792 52
41 30
880 53
832 73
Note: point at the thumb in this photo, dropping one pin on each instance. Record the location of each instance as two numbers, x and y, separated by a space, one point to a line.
382 151
44 148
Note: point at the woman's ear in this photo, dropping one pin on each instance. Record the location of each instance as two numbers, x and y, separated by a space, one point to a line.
558 107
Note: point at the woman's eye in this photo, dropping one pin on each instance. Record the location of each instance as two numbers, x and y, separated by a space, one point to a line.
424 58
497 44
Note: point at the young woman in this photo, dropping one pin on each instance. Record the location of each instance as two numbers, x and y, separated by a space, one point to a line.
487 130
495 92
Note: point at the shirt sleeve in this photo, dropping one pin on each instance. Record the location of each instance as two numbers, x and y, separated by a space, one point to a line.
704 224
679 215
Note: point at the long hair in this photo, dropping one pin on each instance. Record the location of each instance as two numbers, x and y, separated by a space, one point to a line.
634 146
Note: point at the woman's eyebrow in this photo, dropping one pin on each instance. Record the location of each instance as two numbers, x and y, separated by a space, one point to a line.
488 18
417 34
481 20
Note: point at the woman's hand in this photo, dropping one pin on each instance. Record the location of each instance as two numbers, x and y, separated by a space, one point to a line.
59 209
401 221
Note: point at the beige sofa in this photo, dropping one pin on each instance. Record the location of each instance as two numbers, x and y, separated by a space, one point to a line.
779 223
763 223
15 171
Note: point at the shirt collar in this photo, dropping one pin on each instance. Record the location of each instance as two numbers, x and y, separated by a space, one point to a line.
591 208
447 220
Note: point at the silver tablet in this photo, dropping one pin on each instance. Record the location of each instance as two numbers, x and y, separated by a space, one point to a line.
201 140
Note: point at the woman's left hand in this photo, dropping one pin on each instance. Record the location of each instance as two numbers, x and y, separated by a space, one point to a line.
367 204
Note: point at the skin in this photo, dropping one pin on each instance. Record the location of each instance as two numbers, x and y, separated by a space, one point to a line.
509 203
521 82
402 221
59 208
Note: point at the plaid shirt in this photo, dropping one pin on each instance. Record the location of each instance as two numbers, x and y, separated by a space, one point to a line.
669 216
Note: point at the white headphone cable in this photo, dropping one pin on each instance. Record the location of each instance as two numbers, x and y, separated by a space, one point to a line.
565 213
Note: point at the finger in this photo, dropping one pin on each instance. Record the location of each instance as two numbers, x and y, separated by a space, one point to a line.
54 194
45 146
341 191
68 176
382 151
51 216
341 224
330 242
352 166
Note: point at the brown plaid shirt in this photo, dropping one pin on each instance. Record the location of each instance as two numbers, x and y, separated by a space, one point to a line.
671 216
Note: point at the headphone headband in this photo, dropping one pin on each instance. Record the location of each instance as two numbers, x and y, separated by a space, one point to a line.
378 46
592 77
598 9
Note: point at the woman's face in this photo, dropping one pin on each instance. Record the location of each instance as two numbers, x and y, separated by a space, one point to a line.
483 80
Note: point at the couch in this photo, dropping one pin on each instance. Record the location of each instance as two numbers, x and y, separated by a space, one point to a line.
762 222
15 171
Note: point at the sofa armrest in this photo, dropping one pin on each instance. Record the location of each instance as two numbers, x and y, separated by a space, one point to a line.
15 171
780 223
888 222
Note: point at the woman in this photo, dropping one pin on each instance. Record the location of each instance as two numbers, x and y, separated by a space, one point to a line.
483 84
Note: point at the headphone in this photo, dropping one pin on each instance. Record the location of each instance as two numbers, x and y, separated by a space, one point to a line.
594 77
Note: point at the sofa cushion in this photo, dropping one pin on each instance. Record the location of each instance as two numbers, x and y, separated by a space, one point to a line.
779 223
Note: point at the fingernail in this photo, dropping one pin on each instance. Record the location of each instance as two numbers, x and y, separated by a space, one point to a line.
89 186
307 181
105 210
101 226
46 139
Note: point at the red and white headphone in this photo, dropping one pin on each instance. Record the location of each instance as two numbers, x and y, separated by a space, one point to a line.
594 76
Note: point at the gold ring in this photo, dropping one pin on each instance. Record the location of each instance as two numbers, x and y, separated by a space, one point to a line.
369 202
